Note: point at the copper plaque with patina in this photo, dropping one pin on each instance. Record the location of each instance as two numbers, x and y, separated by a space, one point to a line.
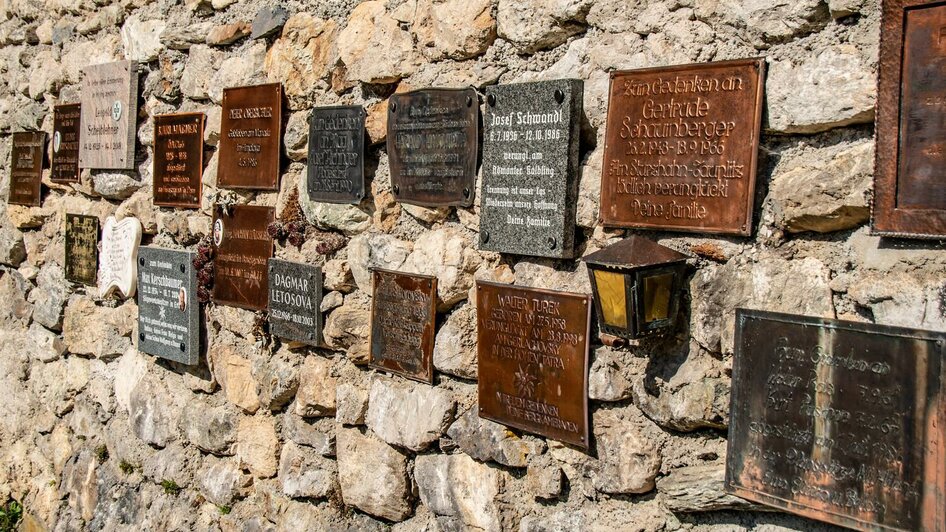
109 116
403 316
82 251
250 137
432 146
839 421
910 168
65 161
532 349
242 248
681 147
26 168
178 159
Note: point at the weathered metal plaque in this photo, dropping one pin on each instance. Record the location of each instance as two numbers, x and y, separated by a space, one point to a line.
839 421
250 137
168 310
178 159
532 348
530 168
910 168
432 146
65 163
82 252
295 298
336 165
403 316
26 168
242 249
109 115
681 147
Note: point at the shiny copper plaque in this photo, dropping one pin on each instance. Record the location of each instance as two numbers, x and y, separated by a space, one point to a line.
109 116
532 347
178 159
242 248
82 252
26 168
65 163
910 168
839 421
403 316
681 147
432 146
250 137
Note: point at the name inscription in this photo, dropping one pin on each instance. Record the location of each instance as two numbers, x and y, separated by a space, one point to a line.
242 249
403 313
336 166
178 159
109 113
295 298
168 311
250 129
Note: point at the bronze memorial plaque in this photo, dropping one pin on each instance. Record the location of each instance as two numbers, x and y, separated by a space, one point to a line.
109 116
681 147
839 421
532 348
250 143
432 146
403 316
242 248
910 167
178 159
82 251
65 163
26 168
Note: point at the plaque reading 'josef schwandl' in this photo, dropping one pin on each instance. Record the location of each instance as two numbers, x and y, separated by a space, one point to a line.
839 421
403 315
82 252
295 298
432 145
26 168
336 165
530 163
681 146
168 311
532 348
65 163
250 145
178 159
242 248
109 115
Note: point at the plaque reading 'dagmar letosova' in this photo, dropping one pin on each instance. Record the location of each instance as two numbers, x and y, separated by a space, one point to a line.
168 311
250 137
403 317
839 421
178 159
242 249
336 165
681 147
109 114
295 298
65 160
532 349
26 168
82 252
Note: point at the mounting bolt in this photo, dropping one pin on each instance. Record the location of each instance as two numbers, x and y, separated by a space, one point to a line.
552 243
141 336
469 101
491 100
466 192
393 107
559 96
183 269
183 347
397 189
141 261
485 237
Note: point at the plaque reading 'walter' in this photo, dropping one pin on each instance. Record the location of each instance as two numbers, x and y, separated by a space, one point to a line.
336 165
250 145
178 159
681 147
26 168
295 295
532 348
403 314
82 252
242 248
839 421
432 145
65 162
530 168
109 115
168 311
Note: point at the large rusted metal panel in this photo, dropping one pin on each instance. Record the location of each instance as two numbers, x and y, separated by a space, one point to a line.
403 319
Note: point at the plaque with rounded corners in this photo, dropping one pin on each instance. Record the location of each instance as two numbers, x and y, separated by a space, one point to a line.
251 137
168 310
295 300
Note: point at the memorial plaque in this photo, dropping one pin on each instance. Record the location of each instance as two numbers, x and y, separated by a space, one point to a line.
681 147
530 168
109 115
432 146
403 316
65 163
910 169
242 249
178 159
532 348
295 298
336 165
118 266
839 421
168 311
250 137
82 248
26 168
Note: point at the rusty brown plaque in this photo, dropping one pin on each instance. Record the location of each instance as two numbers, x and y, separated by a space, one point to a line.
403 317
65 163
532 348
26 168
432 146
681 147
242 248
839 421
178 159
82 252
109 116
910 166
250 137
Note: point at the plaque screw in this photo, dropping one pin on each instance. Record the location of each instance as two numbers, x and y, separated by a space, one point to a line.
491 100
485 237
182 347
393 107
582 438
559 96
469 101
182 268
397 189
551 243
466 192
141 261
141 336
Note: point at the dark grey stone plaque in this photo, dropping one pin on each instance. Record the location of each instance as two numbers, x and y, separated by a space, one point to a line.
336 166
295 295
530 168
168 311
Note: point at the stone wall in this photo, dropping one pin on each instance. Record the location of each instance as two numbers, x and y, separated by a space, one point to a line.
94 435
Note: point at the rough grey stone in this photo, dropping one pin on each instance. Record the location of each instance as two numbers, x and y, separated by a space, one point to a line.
351 404
211 429
412 416
316 433
485 440
373 475
455 344
460 489
12 249
699 489
305 473
268 21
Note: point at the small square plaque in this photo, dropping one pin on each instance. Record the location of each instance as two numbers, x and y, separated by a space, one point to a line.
109 116
336 165
250 137
168 311
403 317
26 168
65 163
295 298
178 159
242 249
82 251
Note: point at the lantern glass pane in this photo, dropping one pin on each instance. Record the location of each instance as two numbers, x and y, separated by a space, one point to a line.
657 297
613 298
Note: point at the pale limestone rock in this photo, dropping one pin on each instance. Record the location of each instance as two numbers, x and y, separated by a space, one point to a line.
142 38
89 329
235 375
352 401
225 34
426 215
533 25
460 489
699 488
765 21
278 378
454 29
902 299
374 48
629 460
605 380
141 206
316 394
46 76
485 440
183 37
221 480
247 68
455 343
150 413
43 344
331 301
12 248
375 250
540 274
257 445
337 276
304 473
318 433
589 189
296 137
544 477
202 61
132 367
211 429
116 184
449 254
50 296
412 416
373 475
302 56
845 8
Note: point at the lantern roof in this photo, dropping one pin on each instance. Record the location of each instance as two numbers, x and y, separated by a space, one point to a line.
634 252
